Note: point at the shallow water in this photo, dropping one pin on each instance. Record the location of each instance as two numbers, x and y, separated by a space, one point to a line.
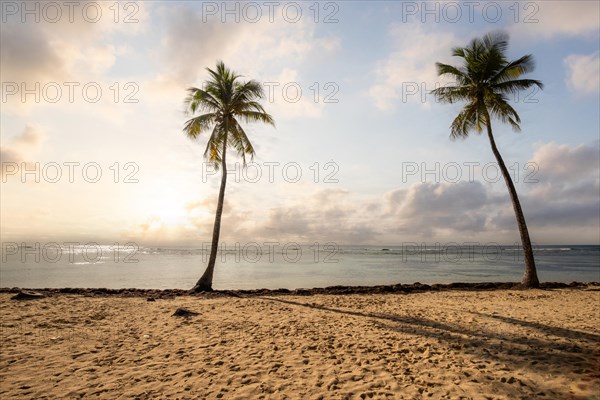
276 266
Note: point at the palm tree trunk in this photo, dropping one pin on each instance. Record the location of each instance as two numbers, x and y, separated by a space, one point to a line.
530 278
204 284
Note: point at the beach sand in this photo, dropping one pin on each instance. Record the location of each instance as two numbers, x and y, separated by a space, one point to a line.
503 344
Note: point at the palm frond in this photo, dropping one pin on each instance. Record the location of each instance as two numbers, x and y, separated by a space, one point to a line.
452 94
463 123
256 116
498 106
460 76
515 69
241 142
248 91
516 86
483 81
199 100
458 52
213 145
497 40
195 126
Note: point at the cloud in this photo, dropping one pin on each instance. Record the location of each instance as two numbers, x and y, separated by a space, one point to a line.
583 73
190 44
290 99
546 19
564 215
563 163
43 51
274 52
322 215
72 49
565 197
567 175
28 56
409 72
548 221
28 142
21 148
192 41
8 155
30 138
429 209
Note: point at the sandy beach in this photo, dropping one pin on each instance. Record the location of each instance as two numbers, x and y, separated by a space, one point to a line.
502 344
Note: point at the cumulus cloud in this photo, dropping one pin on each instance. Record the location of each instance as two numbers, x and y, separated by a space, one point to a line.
30 139
565 197
274 52
409 72
8 155
569 185
562 163
193 41
21 148
41 51
428 209
323 215
546 19
76 47
28 56
190 44
583 73
28 142
288 99
562 220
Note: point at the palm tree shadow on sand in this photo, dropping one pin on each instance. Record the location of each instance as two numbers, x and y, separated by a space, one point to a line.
540 355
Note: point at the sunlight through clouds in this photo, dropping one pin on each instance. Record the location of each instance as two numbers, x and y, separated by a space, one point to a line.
375 64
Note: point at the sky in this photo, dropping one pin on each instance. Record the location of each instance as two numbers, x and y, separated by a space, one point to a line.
92 112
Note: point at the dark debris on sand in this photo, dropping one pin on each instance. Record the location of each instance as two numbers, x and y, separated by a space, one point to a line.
27 295
184 312
336 290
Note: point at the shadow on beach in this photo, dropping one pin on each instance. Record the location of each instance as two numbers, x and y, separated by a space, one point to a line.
527 346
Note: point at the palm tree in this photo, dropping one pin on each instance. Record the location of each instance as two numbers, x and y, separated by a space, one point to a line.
223 102
484 81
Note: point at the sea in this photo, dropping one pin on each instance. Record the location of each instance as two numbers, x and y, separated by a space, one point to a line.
272 265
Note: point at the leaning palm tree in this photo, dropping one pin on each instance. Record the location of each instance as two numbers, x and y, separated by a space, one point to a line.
484 81
222 103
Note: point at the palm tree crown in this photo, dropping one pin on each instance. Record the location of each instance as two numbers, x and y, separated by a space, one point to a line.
222 102
484 81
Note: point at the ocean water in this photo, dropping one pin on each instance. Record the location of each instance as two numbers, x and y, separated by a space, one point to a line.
254 266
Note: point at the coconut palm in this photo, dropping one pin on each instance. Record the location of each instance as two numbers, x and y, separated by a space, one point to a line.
222 104
484 80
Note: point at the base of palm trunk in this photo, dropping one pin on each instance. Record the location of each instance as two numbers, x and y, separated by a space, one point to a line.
530 282
201 288
204 284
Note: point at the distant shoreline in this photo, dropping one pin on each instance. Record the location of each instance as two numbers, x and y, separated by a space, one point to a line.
333 290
